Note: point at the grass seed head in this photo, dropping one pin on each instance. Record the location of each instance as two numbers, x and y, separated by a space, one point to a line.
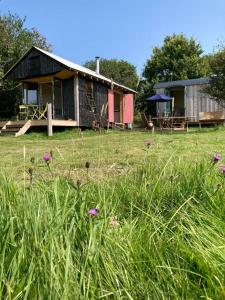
30 171
87 165
78 183
114 222
32 160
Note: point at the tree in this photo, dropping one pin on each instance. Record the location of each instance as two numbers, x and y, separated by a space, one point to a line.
15 40
216 87
178 58
120 71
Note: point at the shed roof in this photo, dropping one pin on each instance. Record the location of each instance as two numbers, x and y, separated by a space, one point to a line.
74 67
168 84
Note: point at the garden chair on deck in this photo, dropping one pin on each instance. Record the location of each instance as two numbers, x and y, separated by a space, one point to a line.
149 125
43 112
23 112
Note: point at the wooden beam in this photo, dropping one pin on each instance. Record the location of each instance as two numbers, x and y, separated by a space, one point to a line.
61 96
53 97
76 100
24 129
49 113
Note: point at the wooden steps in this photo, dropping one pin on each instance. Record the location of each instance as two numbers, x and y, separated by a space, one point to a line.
15 128
2 124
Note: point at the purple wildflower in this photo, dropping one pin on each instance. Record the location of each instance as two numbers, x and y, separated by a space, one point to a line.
93 212
222 169
149 143
47 157
216 158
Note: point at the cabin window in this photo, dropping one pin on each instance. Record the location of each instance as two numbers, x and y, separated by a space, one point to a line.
32 94
90 101
35 65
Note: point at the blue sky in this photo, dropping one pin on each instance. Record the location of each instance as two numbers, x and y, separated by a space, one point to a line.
79 30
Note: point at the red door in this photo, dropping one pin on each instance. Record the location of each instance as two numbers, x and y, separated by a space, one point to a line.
128 112
111 106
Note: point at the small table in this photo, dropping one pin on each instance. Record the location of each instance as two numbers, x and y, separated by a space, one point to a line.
171 122
33 111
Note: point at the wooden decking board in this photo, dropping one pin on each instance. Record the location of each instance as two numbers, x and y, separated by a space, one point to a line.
21 127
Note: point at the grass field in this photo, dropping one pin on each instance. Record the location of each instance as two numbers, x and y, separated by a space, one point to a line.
157 233
109 154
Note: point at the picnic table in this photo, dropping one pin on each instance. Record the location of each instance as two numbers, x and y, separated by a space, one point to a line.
172 123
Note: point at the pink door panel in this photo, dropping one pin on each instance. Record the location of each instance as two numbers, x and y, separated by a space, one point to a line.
111 105
128 113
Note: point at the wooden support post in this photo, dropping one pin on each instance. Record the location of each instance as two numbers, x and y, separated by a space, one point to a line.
76 100
49 119
53 97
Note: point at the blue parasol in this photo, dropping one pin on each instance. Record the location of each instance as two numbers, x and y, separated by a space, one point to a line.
159 98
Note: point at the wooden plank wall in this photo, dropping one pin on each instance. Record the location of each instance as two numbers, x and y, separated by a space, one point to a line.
100 95
197 101
47 66
101 98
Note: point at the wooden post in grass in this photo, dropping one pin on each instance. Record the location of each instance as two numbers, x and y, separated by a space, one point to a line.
49 119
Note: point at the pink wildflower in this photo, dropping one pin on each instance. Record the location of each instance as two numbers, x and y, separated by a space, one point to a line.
216 158
149 143
222 169
47 157
93 212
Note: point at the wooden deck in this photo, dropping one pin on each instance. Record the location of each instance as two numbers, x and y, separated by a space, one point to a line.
20 127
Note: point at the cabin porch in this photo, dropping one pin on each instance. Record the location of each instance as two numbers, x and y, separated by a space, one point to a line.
20 127
56 90
174 108
39 91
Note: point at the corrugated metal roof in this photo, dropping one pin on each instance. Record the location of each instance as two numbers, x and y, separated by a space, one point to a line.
75 67
168 84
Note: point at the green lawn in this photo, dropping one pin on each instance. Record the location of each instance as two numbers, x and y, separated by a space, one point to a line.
159 232
109 154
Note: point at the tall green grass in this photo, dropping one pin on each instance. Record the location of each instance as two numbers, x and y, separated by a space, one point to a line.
169 244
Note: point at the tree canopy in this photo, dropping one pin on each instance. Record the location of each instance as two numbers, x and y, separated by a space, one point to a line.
15 40
216 87
178 58
120 71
